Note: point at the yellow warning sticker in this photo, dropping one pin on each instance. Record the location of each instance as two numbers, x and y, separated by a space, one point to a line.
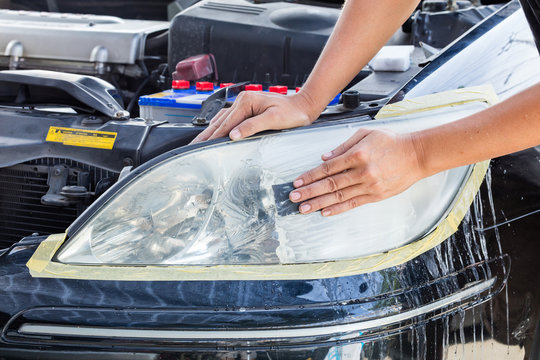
84 138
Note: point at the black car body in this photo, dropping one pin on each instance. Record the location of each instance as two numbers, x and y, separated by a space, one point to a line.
471 294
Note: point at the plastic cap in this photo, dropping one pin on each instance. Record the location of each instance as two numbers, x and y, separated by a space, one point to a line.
298 89
254 87
351 99
180 84
224 85
280 89
204 86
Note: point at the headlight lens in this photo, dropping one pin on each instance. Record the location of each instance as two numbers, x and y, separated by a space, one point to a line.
215 205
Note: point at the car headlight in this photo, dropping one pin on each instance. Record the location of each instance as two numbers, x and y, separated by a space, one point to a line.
215 205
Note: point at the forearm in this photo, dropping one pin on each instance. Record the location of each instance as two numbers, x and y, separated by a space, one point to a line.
507 127
362 29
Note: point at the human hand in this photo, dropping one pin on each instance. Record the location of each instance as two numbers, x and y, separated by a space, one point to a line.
370 166
253 112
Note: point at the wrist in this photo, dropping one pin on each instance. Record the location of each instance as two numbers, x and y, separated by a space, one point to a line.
310 104
421 156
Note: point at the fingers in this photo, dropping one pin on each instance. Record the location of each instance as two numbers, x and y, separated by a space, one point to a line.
332 198
347 145
206 133
331 184
214 124
267 120
329 168
240 111
340 183
238 121
375 167
338 201
223 122
219 116
345 156
333 190
255 112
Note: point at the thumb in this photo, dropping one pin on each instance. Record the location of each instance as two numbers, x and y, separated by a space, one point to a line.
251 126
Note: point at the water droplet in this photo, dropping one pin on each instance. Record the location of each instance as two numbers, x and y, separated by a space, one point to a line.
363 287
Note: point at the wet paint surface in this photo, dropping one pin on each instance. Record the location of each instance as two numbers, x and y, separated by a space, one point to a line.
502 224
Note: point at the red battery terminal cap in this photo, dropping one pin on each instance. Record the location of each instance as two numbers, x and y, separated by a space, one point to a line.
224 85
298 89
254 87
180 84
204 86
278 89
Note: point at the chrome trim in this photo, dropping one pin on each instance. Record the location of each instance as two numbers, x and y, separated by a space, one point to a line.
346 329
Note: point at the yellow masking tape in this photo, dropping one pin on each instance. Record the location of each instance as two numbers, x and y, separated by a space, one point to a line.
83 138
42 257
483 93
41 264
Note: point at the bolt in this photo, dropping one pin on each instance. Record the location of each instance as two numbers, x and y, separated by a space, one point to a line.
200 120
122 114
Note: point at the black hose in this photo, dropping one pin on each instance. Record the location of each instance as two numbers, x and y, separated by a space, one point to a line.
157 42
136 95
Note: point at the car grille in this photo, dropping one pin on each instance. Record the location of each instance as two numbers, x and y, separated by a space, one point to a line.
21 189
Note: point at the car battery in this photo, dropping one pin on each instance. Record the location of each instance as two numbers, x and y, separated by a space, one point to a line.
179 104
184 101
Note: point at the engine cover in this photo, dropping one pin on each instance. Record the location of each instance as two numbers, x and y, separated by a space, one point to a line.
86 44
270 43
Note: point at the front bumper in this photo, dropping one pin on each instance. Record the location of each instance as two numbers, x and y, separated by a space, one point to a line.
287 316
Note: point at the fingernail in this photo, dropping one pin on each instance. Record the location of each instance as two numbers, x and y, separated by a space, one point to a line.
295 195
327 155
235 134
298 183
326 213
304 208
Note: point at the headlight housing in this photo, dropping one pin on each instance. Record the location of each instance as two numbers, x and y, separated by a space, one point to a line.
215 205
